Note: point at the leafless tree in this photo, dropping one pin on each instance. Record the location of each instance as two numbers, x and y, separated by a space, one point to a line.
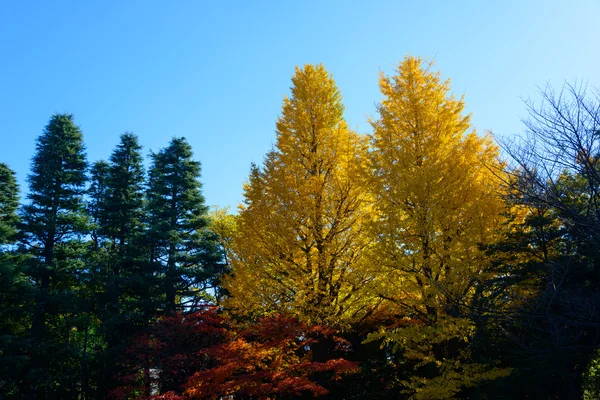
562 137
554 169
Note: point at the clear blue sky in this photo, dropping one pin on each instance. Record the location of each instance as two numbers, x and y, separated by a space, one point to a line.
216 71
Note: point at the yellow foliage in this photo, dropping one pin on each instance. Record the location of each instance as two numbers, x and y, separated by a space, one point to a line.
331 227
301 235
442 343
222 223
437 199
436 189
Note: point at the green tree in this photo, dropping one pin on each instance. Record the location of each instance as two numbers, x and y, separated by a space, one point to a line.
9 203
120 212
116 205
53 222
184 251
15 291
97 193
123 205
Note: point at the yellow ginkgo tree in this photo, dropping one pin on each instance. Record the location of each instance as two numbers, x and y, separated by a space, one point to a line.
299 245
436 189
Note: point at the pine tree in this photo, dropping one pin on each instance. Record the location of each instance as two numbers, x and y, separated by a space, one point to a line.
182 248
97 193
437 198
124 199
15 291
121 214
53 222
9 202
116 205
300 238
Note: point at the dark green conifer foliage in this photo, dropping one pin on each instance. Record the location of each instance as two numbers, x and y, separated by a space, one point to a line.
117 194
14 290
53 223
97 260
120 212
9 202
97 193
183 249
124 198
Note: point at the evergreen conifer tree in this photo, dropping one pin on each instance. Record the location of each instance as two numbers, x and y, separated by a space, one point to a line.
9 203
183 249
15 291
116 205
53 222
97 193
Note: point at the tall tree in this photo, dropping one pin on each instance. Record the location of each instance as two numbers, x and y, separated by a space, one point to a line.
121 213
53 222
117 194
184 250
301 234
437 198
15 291
123 207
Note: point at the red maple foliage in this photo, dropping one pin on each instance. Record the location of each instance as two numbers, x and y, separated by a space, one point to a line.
272 358
206 355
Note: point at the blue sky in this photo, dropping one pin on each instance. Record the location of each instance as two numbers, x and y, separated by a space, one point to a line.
216 72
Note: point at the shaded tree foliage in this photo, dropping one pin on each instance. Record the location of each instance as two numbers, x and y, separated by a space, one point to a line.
117 203
207 355
183 250
53 223
551 268
15 292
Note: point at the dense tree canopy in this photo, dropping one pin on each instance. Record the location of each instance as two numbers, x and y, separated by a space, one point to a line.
53 224
437 199
301 233
15 292
183 249
409 263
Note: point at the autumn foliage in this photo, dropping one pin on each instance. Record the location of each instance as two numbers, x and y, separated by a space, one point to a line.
270 358
408 263
206 355
173 348
301 233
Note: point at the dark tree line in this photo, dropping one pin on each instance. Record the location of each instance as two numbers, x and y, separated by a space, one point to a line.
90 260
